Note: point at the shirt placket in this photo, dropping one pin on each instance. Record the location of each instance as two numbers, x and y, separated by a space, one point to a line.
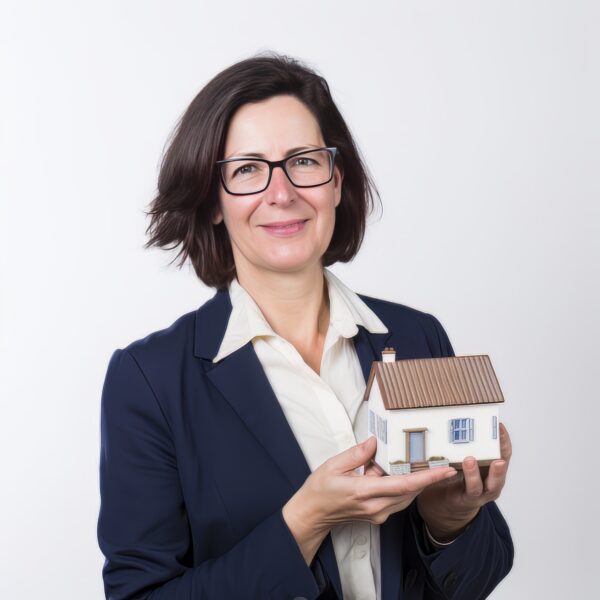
333 411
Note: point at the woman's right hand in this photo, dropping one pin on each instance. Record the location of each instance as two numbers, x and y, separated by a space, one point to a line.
336 493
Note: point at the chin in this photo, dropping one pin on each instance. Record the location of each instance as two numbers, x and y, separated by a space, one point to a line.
290 264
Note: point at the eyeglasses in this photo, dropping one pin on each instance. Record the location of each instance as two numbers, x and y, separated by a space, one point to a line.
309 168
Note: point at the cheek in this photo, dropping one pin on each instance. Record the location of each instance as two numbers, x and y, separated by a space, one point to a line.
328 215
238 219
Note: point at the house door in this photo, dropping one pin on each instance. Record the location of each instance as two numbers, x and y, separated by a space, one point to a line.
416 446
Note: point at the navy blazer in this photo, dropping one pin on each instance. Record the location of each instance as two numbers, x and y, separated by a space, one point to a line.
197 461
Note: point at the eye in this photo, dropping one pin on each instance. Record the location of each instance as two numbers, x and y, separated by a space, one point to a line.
305 161
244 169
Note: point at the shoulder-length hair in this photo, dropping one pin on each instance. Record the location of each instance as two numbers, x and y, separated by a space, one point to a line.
187 196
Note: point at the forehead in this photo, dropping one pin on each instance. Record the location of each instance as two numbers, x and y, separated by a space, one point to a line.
271 127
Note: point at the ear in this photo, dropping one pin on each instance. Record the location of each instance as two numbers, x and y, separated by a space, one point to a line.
217 217
338 177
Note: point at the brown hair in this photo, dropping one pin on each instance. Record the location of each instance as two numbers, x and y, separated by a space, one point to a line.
181 213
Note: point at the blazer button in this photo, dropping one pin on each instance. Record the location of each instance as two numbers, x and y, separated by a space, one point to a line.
449 582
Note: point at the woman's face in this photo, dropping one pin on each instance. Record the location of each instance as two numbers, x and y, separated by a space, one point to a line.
272 128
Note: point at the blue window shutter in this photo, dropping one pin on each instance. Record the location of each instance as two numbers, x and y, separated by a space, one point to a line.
471 421
495 427
385 430
451 431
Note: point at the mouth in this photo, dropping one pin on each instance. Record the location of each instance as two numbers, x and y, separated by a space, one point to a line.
284 223
283 228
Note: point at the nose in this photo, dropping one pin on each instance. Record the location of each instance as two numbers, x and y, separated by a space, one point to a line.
280 190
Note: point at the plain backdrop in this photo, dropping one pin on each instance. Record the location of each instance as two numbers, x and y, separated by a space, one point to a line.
479 121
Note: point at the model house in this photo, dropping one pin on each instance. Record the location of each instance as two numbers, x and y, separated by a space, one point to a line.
428 412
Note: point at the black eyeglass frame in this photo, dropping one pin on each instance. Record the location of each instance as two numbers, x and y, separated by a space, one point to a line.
277 163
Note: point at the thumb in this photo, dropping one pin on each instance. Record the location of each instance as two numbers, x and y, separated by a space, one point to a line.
356 456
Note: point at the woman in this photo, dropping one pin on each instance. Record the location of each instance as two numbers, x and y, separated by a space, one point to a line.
230 466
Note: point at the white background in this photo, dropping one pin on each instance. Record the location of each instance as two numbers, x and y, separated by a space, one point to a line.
480 123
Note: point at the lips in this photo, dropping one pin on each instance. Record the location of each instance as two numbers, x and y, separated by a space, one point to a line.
283 228
284 223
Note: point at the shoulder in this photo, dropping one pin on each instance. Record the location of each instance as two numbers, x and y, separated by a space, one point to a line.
173 348
162 352
395 313
410 325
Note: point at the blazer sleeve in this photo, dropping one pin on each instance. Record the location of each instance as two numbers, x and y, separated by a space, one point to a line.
473 565
143 529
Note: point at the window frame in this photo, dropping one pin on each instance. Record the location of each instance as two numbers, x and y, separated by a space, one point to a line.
465 431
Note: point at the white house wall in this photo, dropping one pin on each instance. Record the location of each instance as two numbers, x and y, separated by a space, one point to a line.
437 439
376 405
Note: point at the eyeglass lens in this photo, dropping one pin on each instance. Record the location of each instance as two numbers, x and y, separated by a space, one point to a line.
247 176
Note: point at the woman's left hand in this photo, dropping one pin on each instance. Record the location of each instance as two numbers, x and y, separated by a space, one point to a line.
449 506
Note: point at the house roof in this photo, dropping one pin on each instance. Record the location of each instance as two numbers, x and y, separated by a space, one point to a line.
428 382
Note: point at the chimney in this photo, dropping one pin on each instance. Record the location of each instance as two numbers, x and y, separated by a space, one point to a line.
388 355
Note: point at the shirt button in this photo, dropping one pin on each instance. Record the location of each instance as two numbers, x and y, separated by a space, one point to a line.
361 539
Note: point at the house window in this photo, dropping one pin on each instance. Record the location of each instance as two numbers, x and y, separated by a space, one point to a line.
461 431
494 427
381 428
372 422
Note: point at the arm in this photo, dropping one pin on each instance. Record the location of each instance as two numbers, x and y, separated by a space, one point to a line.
143 529
473 565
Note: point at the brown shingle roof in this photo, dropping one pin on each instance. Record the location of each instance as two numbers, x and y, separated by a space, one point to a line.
427 382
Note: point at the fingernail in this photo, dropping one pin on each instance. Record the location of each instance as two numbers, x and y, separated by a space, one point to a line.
450 474
500 463
470 462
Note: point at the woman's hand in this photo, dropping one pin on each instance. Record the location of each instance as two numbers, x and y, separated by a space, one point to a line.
335 493
449 506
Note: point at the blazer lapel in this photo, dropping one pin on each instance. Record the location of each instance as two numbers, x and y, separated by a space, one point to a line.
242 381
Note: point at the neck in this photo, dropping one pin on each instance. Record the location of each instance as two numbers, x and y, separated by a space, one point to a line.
296 305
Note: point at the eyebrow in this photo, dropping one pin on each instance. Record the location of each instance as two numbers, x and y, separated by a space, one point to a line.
259 155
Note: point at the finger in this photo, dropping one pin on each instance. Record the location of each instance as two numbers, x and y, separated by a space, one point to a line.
505 443
374 470
472 476
496 478
390 508
398 485
354 457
